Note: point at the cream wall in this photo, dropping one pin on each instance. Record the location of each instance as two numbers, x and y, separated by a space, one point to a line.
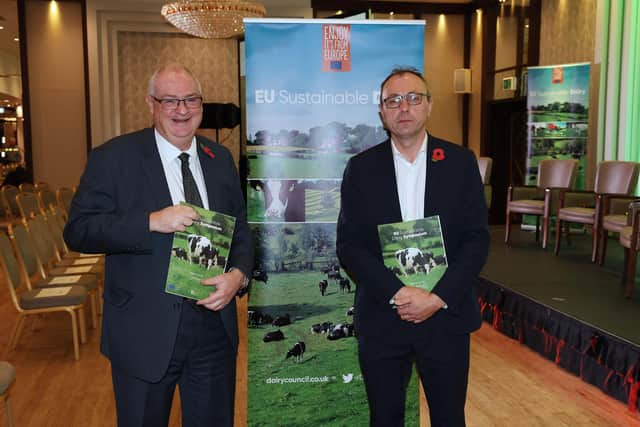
56 92
567 35
444 52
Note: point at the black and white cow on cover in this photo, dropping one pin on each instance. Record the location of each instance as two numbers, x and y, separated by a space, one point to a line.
297 351
412 260
201 251
179 253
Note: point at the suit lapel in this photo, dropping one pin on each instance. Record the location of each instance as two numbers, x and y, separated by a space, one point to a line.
387 183
431 193
153 170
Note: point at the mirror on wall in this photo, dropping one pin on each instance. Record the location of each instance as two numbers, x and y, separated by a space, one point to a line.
11 117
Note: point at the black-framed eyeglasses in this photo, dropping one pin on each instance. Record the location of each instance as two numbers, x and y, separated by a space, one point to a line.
412 98
171 104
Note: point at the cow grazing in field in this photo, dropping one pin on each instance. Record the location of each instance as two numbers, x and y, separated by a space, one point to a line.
321 328
256 318
273 336
179 253
351 311
200 251
281 320
334 275
260 276
323 284
284 200
439 260
345 285
331 267
341 330
412 260
297 351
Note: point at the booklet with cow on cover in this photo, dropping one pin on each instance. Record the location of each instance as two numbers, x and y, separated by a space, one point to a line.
414 251
199 252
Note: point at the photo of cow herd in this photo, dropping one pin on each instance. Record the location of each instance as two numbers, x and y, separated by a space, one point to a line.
201 251
293 200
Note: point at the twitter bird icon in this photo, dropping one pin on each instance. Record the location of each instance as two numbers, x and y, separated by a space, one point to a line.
346 379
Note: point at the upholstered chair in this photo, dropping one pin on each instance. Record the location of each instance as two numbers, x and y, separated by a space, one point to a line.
613 179
541 200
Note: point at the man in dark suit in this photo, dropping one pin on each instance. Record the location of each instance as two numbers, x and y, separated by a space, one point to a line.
413 175
127 206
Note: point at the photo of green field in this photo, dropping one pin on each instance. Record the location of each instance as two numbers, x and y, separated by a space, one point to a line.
187 268
284 162
328 372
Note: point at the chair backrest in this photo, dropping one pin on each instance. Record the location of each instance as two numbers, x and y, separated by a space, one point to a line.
65 195
39 186
27 187
9 193
553 173
616 177
485 164
27 252
42 240
28 203
56 222
11 268
47 198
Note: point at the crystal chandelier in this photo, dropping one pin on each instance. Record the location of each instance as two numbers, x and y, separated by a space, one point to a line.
211 19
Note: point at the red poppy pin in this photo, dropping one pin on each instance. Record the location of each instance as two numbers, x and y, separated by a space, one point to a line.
437 154
207 151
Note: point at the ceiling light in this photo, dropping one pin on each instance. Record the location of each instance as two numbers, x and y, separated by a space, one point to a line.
211 19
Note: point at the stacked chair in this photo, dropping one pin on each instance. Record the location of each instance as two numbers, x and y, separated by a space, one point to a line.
541 200
614 179
7 378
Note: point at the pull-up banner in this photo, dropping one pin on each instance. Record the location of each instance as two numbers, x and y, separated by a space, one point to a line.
312 93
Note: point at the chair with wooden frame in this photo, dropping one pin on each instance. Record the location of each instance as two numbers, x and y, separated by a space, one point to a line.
613 221
70 299
28 203
8 194
541 200
65 196
630 241
7 378
27 187
485 164
613 179
36 255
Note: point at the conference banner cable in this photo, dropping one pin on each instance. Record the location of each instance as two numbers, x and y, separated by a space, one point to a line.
312 91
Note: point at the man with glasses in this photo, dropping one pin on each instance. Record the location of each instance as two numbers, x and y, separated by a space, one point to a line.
413 175
128 206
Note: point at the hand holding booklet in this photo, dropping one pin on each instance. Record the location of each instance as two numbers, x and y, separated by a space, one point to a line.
414 251
199 252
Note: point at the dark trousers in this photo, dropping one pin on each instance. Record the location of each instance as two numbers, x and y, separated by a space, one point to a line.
442 361
203 365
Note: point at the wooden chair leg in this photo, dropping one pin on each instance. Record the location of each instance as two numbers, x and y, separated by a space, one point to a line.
602 242
15 333
93 299
74 332
538 229
507 227
82 324
7 409
545 232
630 274
594 244
556 247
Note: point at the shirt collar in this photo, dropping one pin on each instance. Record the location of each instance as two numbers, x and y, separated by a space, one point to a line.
171 152
422 151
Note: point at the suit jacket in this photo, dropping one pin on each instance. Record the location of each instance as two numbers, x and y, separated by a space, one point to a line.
369 197
122 184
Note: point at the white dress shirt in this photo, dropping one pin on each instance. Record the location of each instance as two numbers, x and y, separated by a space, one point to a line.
172 166
411 180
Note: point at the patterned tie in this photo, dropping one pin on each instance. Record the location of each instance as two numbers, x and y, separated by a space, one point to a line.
191 193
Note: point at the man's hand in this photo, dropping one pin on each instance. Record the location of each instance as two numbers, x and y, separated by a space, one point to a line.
227 286
416 305
172 218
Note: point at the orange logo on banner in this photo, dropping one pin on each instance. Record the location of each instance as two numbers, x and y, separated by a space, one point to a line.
557 75
336 47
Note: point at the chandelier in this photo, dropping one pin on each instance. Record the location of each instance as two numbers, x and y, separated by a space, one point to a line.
211 19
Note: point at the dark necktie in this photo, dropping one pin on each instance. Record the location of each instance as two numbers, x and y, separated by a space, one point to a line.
191 193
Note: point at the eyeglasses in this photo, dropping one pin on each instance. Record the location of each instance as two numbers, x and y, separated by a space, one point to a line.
412 98
171 104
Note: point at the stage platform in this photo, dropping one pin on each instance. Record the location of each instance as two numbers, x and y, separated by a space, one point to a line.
566 308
